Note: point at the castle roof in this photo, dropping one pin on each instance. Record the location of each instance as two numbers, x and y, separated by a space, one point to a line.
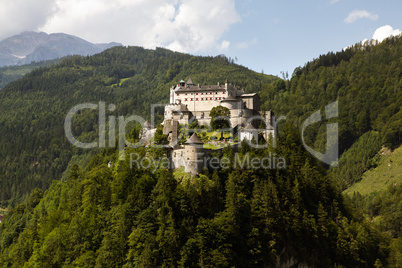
249 128
192 88
230 98
249 95
194 140
190 82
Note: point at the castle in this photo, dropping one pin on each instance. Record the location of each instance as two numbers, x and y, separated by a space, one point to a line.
189 102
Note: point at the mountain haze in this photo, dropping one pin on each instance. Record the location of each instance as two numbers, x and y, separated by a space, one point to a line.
27 47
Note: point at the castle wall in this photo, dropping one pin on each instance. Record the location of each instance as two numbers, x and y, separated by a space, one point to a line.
269 132
251 101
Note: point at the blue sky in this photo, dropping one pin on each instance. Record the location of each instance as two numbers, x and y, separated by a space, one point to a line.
285 34
272 36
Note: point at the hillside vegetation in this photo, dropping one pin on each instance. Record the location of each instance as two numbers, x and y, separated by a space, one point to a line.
387 173
33 146
9 74
101 216
366 80
127 217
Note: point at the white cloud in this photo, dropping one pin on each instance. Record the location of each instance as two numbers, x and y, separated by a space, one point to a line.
17 16
334 1
379 35
384 32
182 25
224 45
246 44
360 14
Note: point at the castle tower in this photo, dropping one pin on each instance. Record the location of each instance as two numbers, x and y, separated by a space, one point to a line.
190 82
194 155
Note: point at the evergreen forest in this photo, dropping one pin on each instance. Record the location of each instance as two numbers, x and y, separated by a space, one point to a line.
71 207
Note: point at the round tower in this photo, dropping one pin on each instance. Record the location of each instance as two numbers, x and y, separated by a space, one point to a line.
194 155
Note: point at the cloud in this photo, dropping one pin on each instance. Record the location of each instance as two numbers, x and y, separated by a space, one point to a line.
379 35
246 44
360 14
384 32
182 25
334 1
19 15
224 45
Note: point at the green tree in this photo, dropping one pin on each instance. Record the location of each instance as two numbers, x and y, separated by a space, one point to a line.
220 118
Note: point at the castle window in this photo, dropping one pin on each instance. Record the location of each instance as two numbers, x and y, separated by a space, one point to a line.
202 99
192 99
196 93
186 94
196 98
185 99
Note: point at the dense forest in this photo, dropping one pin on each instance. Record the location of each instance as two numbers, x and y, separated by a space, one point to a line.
9 74
122 216
366 81
33 146
93 215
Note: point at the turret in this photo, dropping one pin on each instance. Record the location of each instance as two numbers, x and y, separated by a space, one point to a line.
194 154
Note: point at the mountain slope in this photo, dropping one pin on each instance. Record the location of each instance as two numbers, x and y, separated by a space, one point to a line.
33 145
388 173
366 81
9 74
31 46
122 216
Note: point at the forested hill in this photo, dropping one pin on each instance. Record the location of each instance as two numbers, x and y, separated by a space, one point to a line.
33 147
127 216
119 216
366 80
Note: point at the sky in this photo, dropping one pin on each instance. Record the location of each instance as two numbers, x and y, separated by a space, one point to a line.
271 36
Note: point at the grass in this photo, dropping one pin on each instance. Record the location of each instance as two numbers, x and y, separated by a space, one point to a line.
217 134
388 171
180 175
210 146
120 82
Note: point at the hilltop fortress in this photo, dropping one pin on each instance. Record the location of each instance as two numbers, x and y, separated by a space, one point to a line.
189 102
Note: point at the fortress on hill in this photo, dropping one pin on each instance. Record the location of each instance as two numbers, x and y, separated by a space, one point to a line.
189 101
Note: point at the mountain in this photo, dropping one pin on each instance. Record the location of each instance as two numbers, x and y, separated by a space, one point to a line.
27 47
120 215
9 74
87 213
366 82
33 144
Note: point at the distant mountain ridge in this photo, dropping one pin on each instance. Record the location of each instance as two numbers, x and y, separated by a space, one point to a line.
27 47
